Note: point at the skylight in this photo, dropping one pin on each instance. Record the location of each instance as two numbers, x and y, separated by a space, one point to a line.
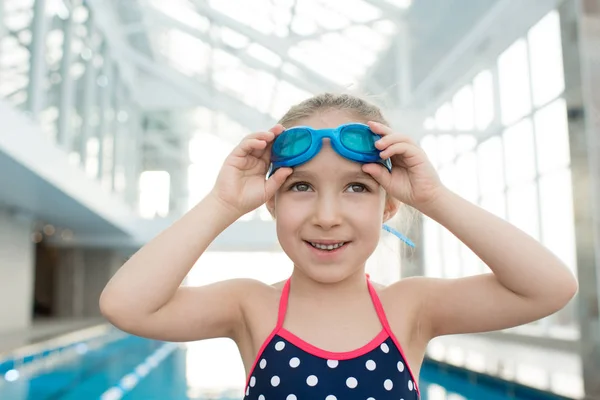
272 54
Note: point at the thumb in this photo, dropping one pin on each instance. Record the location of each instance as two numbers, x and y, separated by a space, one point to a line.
276 180
379 173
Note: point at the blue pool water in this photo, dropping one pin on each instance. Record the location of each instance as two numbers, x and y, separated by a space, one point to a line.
131 368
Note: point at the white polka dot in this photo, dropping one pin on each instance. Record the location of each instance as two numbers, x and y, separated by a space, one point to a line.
261 397
248 391
294 362
371 365
312 380
279 346
252 381
410 385
384 347
388 384
291 397
275 380
400 366
332 363
331 397
263 363
351 382
373 398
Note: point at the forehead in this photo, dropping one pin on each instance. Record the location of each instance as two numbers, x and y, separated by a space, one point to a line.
328 119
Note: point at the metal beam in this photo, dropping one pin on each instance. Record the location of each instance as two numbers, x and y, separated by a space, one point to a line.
249 60
273 43
450 72
236 109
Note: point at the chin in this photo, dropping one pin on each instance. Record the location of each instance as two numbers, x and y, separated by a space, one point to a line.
329 274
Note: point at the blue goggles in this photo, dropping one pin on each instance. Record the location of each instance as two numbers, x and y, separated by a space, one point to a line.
299 144
354 141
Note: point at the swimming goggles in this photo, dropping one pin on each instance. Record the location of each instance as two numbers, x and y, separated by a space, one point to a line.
354 141
299 144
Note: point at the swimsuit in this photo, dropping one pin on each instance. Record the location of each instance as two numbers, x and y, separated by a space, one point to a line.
288 368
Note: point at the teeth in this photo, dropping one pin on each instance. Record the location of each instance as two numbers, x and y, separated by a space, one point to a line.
327 246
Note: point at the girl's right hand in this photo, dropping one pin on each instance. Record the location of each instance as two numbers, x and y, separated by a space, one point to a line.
241 184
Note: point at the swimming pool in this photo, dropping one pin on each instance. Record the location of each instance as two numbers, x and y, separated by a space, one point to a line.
119 366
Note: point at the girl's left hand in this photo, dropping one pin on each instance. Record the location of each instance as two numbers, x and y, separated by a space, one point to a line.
413 180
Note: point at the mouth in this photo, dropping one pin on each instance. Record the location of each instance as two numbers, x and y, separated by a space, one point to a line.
329 246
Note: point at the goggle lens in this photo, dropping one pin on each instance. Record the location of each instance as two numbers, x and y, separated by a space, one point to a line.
292 143
358 139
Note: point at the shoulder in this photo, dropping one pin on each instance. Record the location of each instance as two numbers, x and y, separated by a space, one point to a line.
247 288
254 294
405 302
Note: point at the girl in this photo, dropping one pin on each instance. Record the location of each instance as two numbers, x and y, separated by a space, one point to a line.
328 332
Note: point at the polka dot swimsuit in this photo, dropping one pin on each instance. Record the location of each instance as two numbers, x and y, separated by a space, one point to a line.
288 368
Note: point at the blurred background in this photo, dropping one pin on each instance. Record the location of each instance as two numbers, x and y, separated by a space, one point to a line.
115 117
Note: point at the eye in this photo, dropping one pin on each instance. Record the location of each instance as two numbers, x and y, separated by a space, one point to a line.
357 188
300 187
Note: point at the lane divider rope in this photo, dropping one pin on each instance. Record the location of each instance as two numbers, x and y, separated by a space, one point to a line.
130 381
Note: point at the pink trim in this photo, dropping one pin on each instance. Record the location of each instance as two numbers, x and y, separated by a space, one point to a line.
333 355
388 329
280 318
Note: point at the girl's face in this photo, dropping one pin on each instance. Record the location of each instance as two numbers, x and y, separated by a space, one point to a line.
329 202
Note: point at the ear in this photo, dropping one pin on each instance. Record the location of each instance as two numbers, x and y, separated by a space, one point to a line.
391 208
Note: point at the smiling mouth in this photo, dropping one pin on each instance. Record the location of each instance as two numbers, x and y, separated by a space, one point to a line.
328 246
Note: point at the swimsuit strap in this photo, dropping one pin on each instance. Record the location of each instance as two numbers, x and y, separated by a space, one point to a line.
283 302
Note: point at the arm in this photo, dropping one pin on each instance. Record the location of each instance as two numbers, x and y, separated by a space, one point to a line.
528 281
145 298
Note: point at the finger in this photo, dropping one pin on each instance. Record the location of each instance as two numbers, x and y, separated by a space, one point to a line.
276 180
277 129
388 140
379 173
409 152
265 155
249 145
379 128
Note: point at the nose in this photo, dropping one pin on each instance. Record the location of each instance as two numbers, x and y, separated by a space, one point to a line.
327 213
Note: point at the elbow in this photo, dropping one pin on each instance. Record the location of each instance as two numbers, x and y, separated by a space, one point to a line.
565 292
110 308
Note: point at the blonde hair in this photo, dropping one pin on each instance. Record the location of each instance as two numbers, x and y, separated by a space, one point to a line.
324 102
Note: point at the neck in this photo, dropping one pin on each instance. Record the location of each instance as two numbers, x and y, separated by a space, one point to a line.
344 290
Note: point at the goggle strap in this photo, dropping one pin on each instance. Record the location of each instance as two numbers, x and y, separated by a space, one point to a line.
398 234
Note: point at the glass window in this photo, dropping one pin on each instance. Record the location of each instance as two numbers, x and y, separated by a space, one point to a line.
466 170
471 264
519 153
483 93
513 75
14 51
449 177
522 202
433 251
444 117
155 192
545 49
207 153
464 109
465 142
450 252
92 150
558 226
446 147
429 145
491 166
552 137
